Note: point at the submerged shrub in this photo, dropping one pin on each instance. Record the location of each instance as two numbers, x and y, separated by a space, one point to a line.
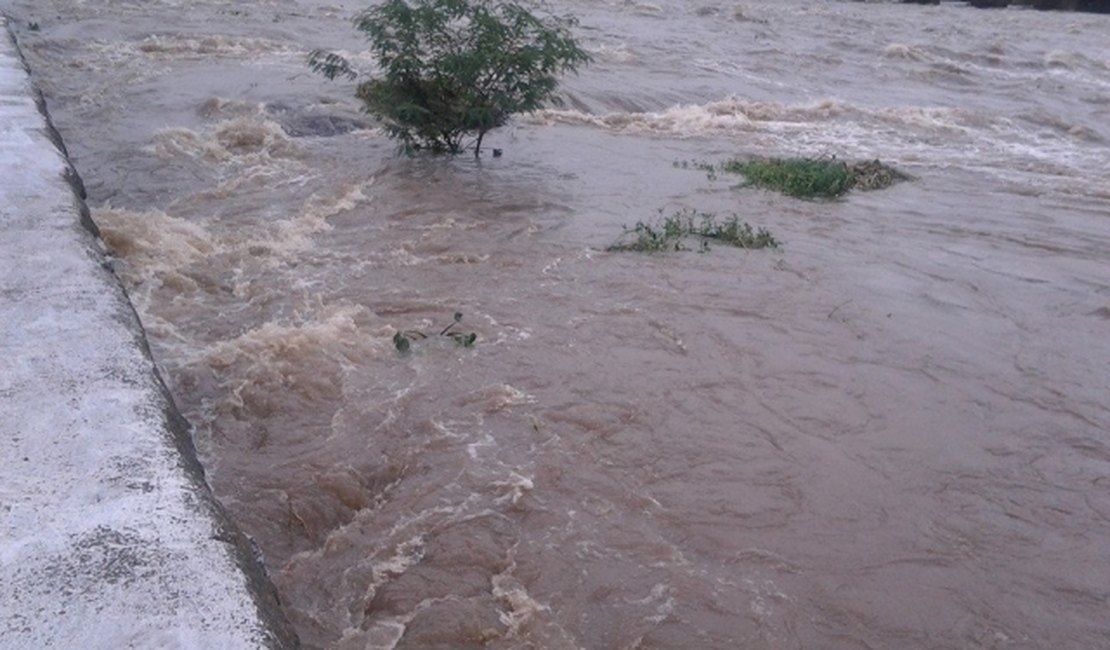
673 232
452 69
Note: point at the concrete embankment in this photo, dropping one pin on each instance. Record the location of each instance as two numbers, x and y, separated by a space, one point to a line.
109 536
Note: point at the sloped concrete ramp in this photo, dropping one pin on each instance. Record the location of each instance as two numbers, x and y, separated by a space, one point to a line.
109 537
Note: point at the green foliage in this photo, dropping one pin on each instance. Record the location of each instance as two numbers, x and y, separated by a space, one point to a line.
330 64
810 177
402 340
798 177
451 69
671 234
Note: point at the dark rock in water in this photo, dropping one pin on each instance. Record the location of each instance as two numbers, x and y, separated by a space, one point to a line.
305 122
321 126
921 2
278 108
990 4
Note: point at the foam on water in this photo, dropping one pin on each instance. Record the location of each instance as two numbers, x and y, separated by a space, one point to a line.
245 140
154 243
832 127
177 47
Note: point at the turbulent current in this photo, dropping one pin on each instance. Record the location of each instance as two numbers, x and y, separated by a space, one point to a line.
891 432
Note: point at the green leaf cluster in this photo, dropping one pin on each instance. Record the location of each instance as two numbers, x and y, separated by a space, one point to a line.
453 69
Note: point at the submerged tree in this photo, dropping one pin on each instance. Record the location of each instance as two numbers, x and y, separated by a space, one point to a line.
452 69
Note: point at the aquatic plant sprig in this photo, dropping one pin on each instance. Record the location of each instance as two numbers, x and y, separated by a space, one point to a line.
403 339
671 234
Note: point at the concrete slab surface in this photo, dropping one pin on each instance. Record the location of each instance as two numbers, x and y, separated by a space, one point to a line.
109 537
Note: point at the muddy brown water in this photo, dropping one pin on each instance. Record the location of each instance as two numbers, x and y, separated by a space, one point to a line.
893 432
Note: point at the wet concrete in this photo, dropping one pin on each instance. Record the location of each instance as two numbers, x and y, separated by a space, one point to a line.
109 536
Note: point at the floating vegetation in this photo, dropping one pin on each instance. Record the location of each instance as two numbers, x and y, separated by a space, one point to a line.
672 234
404 339
810 178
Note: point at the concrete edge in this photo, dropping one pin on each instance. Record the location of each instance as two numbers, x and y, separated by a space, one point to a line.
71 175
278 633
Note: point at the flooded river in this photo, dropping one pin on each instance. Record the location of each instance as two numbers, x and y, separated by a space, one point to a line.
892 432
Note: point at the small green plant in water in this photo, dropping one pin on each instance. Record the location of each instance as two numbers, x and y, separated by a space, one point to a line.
709 168
672 234
402 340
811 178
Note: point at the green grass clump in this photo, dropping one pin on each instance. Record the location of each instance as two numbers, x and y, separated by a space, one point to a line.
814 178
673 232
798 177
